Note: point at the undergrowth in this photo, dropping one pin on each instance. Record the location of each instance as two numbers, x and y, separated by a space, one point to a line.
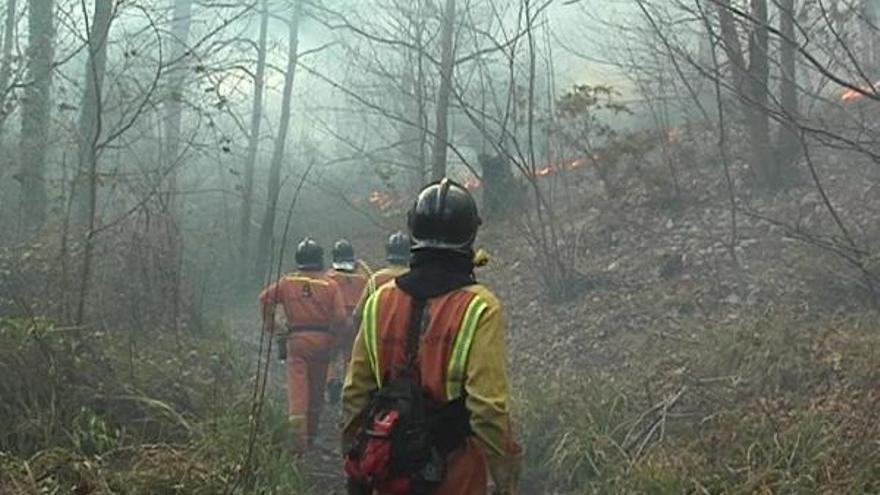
771 405
96 412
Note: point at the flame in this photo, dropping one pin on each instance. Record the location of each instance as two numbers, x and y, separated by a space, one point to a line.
549 169
380 200
383 201
852 94
674 135
472 183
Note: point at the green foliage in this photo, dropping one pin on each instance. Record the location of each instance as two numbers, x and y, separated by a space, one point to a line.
91 412
573 432
92 433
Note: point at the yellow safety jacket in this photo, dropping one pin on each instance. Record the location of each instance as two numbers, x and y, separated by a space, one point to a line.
466 327
376 280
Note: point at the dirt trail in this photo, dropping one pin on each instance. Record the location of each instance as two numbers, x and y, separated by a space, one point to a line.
321 468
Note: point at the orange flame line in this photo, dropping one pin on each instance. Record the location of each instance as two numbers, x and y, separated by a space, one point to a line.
853 94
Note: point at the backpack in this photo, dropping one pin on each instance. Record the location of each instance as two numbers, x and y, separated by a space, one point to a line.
403 436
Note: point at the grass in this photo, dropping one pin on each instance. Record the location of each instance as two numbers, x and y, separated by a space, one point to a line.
766 404
96 413
772 405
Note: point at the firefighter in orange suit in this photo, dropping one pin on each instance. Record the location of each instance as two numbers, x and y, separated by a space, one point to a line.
315 313
351 275
461 352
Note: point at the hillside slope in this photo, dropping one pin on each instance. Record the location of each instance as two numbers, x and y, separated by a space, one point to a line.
678 368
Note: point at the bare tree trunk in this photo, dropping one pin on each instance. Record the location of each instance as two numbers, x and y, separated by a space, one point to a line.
416 136
6 62
90 122
422 103
758 118
870 34
253 142
268 227
751 83
447 66
180 25
789 144
172 259
89 126
35 112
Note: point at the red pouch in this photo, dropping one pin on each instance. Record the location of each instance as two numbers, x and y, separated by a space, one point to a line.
372 465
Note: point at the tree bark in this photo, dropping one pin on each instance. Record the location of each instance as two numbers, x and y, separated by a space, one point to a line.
36 111
180 26
759 120
250 164
415 136
6 62
268 226
89 135
751 82
788 137
870 34
447 66
172 257
85 187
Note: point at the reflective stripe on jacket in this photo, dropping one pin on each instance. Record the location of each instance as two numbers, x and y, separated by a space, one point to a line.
378 279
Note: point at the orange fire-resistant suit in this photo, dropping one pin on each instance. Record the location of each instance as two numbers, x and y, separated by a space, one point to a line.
315 314
352 285
461 351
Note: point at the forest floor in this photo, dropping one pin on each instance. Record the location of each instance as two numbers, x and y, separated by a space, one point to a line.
689 363
321 467
683 363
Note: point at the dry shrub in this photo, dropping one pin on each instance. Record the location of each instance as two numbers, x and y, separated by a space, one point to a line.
95 413
771 404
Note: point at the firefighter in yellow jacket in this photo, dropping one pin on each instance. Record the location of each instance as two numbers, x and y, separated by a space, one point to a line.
397 253
460 354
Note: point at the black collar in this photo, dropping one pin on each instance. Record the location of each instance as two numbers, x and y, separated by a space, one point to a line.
435 272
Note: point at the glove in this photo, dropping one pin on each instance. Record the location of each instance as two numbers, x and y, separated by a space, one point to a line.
481 258
505 469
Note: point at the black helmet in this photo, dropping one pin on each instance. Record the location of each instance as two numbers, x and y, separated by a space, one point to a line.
444 216
343 255
397 248
309 255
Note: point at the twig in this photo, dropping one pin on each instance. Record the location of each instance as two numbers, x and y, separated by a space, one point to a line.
663 408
